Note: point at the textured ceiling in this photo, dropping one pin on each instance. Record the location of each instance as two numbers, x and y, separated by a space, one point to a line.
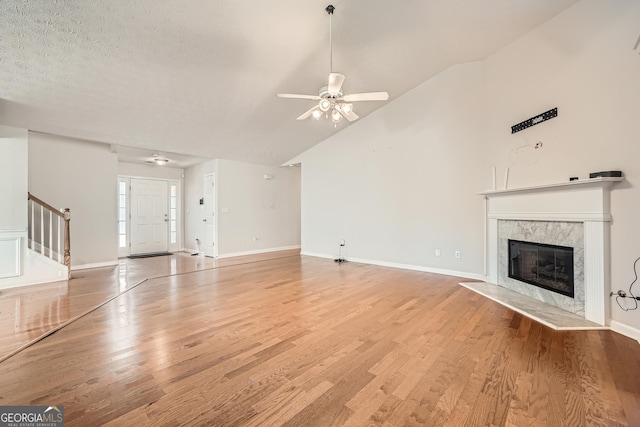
200 77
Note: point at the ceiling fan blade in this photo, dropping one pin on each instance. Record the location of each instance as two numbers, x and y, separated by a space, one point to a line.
370 96
335 83
297 96
307 113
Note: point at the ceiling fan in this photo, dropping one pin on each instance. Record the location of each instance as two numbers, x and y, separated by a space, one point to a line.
331 101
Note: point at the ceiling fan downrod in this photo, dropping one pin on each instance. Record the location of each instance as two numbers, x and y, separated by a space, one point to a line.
330 10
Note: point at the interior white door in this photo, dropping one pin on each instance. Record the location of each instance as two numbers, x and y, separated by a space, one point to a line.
149 216
208 216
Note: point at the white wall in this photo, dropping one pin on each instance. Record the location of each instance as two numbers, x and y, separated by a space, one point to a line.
81 176
13 178
253 207
582 62
13 193
401 183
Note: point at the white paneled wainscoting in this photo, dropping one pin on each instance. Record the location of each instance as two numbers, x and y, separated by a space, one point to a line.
573 214
10 251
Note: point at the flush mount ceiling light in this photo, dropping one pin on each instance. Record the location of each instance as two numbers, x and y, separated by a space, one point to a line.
156 159
330 97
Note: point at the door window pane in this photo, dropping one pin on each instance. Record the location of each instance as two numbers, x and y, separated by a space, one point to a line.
122 213
173 214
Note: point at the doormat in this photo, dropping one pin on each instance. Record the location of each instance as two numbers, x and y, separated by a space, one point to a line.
149 255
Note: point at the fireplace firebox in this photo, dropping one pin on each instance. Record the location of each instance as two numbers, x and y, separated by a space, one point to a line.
546 266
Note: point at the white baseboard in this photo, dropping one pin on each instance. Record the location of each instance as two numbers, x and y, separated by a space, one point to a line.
192 251
259 251
625 330
37 269
317 255
94 265
26 280
406 267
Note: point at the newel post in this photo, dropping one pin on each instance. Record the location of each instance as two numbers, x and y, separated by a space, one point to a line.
67 241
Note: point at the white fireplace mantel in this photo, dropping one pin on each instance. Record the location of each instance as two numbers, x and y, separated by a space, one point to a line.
583 201
592 182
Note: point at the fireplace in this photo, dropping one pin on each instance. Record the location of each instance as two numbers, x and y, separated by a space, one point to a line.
571 214
546 266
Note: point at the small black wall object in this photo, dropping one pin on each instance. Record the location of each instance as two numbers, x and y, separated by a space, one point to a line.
535 120
202 201
606 174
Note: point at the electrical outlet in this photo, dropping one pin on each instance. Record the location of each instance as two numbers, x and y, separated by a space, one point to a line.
457 254
437 252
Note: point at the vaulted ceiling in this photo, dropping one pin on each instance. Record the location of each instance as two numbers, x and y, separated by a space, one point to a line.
200 77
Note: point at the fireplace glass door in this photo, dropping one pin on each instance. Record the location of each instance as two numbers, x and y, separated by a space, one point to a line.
546 266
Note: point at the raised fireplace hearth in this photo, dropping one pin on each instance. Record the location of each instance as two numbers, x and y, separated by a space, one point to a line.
546 266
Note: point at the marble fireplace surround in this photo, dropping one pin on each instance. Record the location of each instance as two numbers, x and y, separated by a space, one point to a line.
561 233
574 213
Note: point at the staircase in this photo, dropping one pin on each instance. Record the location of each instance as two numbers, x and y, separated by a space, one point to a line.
43 250
49 232
40 252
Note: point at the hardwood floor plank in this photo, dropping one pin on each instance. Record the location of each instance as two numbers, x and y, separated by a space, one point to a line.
285 403
368 399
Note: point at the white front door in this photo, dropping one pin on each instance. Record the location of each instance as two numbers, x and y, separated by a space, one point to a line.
149 216
208 217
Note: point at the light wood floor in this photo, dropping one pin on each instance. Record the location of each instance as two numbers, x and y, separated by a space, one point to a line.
31 312
303 341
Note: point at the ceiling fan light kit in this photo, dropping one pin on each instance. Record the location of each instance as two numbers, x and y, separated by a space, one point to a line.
331 100
345 108
324 105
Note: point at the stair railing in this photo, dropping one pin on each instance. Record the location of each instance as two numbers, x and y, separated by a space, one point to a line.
49 232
